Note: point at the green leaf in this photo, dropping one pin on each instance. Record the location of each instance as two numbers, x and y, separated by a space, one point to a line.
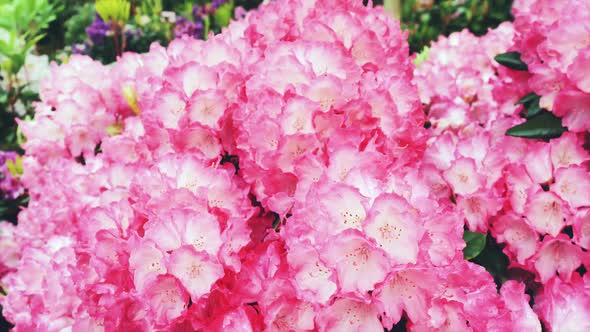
545 125
12 168
206 27
113 10
28 95
474 244
276 222
493 260
422 56
533 109
223 15
527 99
31 42
7 17
511 60
531 104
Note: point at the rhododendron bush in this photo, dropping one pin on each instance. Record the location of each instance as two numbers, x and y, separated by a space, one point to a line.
298 172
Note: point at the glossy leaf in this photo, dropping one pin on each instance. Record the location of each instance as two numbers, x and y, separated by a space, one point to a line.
474 244
511 60
531 104
527 99
545 126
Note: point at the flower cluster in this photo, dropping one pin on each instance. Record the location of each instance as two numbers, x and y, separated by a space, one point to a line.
557 52
284 176
533 197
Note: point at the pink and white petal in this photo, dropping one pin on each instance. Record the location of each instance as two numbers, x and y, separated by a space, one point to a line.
313 279
349 315
146 262
395 228
558 256
167 298
196 270
406 291
359 264
568 150
572 184
546 212
538 163
463 176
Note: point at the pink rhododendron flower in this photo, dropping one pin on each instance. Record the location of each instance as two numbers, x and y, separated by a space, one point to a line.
555 51
284 176
564 306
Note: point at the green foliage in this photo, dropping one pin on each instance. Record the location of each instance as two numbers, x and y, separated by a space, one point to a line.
26 17
426 20
422 56
531 104
493 260
10 138
150 8
223 15
9 209
21 26
511 60
113 10
545 125
75 27
474 244
540 123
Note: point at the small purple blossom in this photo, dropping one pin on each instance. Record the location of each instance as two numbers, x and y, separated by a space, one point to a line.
132 33
187 27
10 187
199 12
98 30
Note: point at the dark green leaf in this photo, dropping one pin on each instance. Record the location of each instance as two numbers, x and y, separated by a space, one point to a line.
533 109
545 125
493 260
531 104
511 60
527 99
474 244
276 222
29 96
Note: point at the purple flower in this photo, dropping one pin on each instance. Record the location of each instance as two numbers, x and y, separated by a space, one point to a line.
10 187
187 27
207 9
98 30
133 33
199 12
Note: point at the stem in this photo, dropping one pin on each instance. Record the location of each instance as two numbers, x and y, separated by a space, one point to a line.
123 39
115 28
11 83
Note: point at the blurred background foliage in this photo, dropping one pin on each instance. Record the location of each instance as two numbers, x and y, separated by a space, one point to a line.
425 20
